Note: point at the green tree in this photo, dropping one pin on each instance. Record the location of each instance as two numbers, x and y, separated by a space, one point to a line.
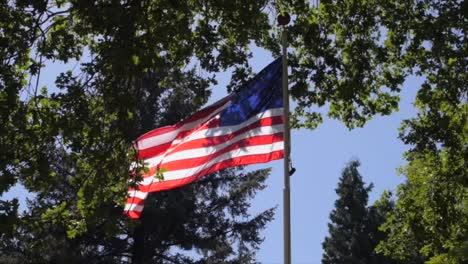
353 231
431 217
377 215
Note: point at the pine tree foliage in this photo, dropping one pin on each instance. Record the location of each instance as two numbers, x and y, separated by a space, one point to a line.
353 231
207 222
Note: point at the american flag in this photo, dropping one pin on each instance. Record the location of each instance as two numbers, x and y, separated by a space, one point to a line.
243 128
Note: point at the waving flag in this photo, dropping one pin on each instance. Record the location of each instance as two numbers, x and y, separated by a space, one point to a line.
243 128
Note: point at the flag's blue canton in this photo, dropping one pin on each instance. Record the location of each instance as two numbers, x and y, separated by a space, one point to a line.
262 93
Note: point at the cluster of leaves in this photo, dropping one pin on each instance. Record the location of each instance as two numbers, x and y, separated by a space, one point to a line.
431 216
347 59
354 229
15 42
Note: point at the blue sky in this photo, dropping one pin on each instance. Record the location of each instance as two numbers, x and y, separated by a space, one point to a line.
319 156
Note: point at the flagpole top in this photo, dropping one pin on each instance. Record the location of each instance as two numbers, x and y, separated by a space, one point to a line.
283 18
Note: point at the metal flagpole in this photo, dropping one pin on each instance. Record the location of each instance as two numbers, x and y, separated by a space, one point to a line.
283 20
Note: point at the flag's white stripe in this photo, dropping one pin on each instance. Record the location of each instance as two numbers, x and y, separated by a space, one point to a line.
220 131
133 207
137 194
157 140
205 151
244 151
171 135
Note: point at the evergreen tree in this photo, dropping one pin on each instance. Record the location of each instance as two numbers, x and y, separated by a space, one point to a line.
206 222
353 231
377 215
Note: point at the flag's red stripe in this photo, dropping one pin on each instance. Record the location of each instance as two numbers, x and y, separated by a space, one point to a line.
239 161
198 161
210 141
153 151
135 200
198 115
133 214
